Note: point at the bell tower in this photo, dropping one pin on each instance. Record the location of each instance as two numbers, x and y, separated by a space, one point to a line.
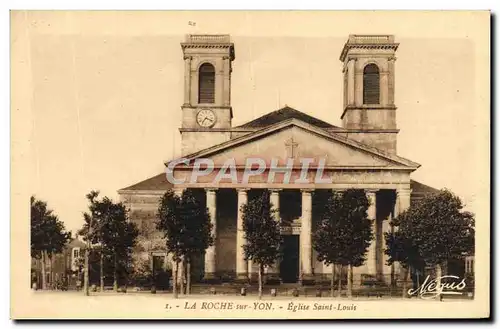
207 111
369 112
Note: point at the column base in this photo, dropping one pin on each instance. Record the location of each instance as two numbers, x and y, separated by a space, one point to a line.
241 278
273 278
307 280
211 278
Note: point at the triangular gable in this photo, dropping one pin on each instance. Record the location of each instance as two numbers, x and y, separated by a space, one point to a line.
313 141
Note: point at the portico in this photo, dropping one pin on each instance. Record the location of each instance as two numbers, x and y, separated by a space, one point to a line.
300 192
296 230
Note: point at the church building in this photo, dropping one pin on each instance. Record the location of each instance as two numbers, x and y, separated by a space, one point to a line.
360 154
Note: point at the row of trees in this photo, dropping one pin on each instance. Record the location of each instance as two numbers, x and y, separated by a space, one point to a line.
342 238
106 231
427 234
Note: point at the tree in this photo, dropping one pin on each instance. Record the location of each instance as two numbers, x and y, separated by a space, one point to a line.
187 230
90 233
401 248
170 223
345 232
119 236
262 233
107 226
197 232
48 234
433 231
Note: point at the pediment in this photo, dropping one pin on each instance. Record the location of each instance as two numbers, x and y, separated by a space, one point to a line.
299 140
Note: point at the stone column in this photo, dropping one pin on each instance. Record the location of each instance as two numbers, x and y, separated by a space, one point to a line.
187 80
194 83
275 201
219 82
350 81
358 83
384 88
241 263
385 269
402 200
391 81
371 257
227 81
178 192
210 253
305 236
402 203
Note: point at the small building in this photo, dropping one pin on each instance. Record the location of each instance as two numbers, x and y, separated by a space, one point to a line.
62 266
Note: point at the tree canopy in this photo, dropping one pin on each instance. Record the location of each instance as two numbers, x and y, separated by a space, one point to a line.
48 233
432 231
262 231
345 232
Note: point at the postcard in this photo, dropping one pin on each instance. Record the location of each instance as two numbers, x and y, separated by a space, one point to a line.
250 164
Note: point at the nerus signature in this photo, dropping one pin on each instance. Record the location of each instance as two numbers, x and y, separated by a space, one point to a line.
431 289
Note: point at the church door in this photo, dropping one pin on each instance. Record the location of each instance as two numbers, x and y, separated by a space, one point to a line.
289 267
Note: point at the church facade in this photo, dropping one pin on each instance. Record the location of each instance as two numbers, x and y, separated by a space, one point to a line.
360 154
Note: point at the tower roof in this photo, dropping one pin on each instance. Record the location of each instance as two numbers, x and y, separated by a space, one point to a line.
213 41
368 41
284 114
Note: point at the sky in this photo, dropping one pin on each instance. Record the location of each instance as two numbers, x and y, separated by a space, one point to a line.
99 93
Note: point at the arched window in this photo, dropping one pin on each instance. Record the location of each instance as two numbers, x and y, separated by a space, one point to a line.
206 87
371 84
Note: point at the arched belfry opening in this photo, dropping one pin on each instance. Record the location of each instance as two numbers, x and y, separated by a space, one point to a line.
371 84
206 90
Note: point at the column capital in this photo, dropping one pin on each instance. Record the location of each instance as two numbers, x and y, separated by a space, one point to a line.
371 190
178 191
404 191
211 189
307 190
242 190
188 57
275 190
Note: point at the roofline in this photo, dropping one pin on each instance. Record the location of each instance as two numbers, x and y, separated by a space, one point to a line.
299 123
128 191
330 126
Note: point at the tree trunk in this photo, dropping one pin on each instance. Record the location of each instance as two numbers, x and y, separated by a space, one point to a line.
182 275
406 271
332 281
261 268
86 272
175 271
392 274
340 281
188 276
51 261
439 273
115 273
102 271
349 281
44 275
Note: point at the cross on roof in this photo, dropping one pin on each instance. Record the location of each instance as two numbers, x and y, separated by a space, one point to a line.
291 144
